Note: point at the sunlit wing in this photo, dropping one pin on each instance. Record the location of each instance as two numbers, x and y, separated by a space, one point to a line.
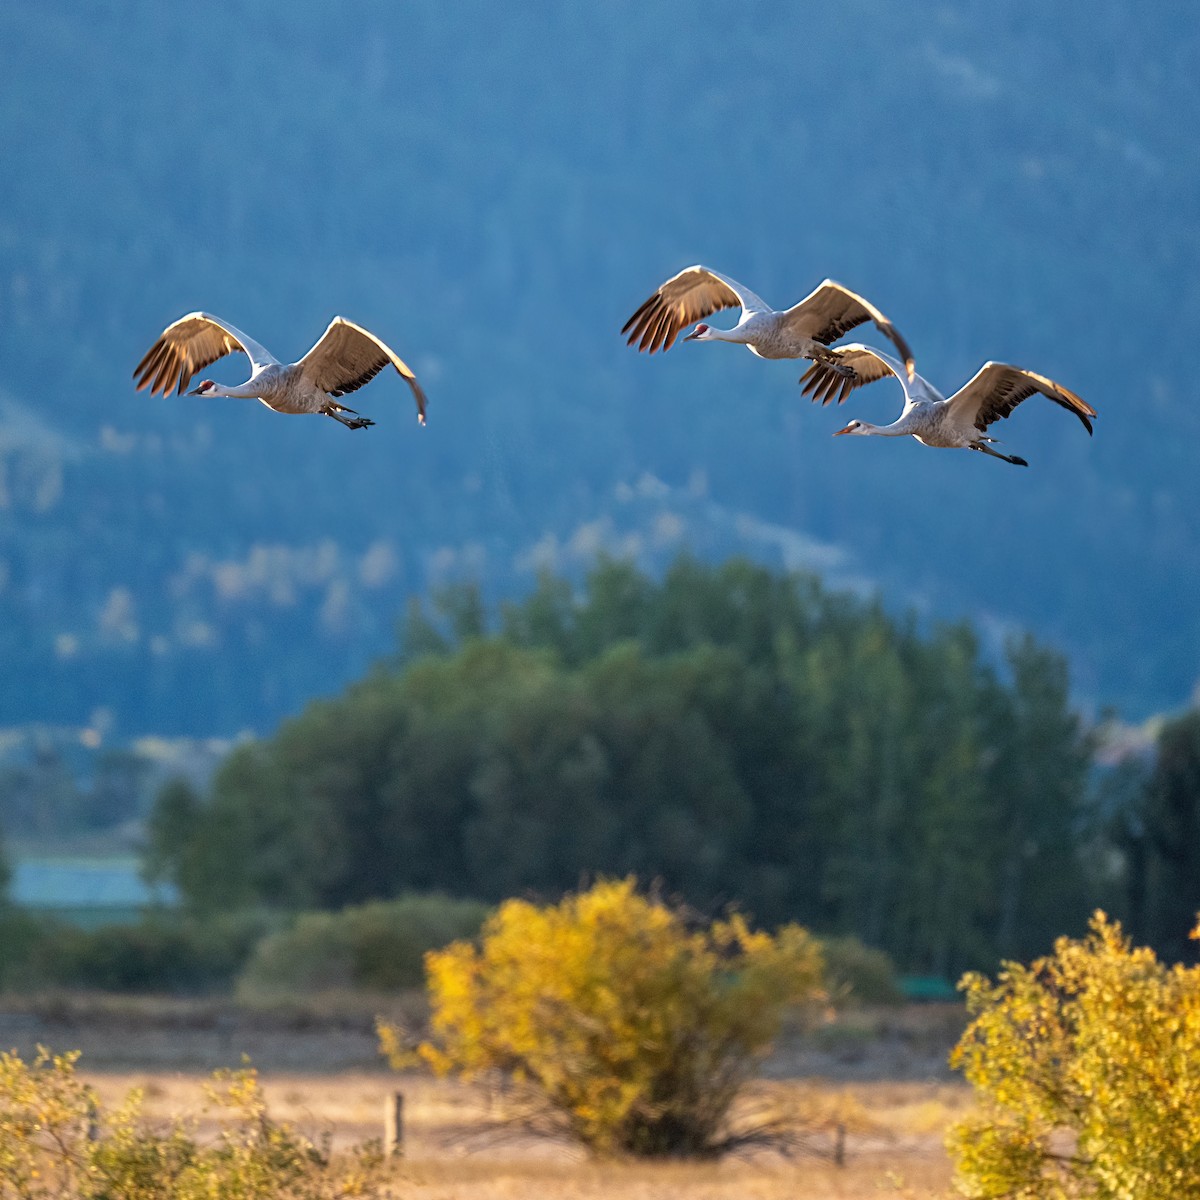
997 389
191 344
831 311
348 356
695 293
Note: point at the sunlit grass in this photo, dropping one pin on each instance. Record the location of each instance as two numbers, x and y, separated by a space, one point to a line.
893 1139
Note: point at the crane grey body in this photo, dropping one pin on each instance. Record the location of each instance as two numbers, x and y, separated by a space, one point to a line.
344 359
803 331
957 423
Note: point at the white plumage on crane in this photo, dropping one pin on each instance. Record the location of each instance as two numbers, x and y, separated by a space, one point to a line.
344 359
960 422
806 330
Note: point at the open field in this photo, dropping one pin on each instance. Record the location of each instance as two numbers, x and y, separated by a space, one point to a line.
881 1075
336 1033
893 1140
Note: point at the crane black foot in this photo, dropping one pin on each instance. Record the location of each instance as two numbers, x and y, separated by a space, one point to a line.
1008 458
355 422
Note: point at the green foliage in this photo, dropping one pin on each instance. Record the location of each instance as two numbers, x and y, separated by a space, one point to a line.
55 1141
1087 1069
628 1026
729 730
164 952
378 946
45 791
173 822
858 974
22 936
1159 832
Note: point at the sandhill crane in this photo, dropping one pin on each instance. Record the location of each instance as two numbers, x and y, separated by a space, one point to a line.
957 423
346 357
803 331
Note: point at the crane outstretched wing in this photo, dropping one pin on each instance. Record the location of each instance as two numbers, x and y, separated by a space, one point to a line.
695 293
347 356
824 383
998 388
191 344
831 311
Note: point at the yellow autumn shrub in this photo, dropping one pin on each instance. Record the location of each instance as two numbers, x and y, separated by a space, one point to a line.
1087 1069
55 1141
629 1027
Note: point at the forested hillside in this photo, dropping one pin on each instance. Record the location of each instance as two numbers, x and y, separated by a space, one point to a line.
494 189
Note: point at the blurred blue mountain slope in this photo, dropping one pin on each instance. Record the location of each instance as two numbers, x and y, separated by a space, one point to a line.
493 189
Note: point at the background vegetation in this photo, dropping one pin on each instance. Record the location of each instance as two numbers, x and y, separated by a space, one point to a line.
257 953
374 947
733 733
163 952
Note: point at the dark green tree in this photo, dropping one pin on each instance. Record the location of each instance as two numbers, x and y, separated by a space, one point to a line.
1163 841
736 734
1040 757
5 872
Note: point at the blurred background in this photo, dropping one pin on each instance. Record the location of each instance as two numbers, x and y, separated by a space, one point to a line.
493 189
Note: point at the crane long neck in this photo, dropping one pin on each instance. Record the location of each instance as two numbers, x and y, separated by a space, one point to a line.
241 391
736 334
897 428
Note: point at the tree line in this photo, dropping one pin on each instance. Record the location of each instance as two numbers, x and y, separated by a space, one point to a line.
738 735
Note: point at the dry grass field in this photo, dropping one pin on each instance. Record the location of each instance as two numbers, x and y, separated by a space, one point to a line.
881 1075
893 1140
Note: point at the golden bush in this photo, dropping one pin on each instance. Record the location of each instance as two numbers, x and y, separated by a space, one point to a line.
1087 1068
56 1142
630 1030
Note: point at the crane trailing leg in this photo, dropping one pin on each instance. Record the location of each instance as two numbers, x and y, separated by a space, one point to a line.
831 359
355 422
1008 458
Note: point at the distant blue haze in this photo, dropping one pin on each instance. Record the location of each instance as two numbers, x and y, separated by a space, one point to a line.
493 189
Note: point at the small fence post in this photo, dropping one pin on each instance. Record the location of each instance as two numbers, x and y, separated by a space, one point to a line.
393 1124
839 1146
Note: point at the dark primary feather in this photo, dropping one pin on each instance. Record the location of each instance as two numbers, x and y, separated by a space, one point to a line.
690 296
824 384
360 380
189 345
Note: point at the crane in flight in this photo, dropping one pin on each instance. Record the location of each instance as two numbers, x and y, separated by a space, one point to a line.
806 330
960 422
344 359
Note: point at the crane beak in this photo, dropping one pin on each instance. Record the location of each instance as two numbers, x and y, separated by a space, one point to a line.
691 337
193 392
848 429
